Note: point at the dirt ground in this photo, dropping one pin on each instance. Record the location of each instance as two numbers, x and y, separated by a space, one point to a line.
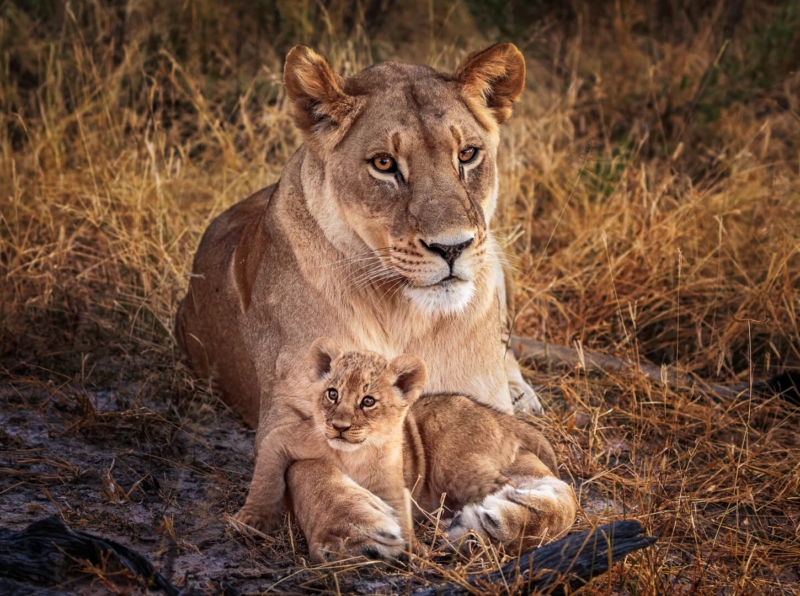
128 461
115 452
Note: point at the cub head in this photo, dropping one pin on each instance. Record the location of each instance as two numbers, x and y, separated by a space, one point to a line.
360 397
401 170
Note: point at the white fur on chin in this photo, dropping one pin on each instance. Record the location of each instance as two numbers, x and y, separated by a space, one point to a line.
447 299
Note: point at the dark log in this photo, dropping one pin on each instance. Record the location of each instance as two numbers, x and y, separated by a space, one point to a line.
569 562
47 551
8 587
787 385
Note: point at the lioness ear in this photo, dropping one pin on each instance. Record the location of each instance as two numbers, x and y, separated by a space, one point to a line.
321 355
321 109
410 375
492 80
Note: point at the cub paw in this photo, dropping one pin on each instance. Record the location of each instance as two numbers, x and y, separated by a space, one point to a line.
258 520
371 531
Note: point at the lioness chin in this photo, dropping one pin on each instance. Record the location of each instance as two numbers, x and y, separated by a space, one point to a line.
376 235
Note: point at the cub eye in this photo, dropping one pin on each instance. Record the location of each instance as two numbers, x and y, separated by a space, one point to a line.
367 402
384 163
468 154
332 394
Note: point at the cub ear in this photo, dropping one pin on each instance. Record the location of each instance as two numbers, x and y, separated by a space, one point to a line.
321 109
409 375
321 354
492 80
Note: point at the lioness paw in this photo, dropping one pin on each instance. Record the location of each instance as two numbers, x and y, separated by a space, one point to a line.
523 396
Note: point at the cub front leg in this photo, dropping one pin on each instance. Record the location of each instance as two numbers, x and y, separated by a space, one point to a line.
340 518
265 503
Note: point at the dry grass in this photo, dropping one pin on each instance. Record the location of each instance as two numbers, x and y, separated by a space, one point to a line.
652 201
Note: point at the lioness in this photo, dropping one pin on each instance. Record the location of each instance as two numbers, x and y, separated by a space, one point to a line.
376 235
362 416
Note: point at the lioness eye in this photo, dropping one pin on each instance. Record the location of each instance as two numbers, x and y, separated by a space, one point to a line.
367 402
332 394
384 163
467 155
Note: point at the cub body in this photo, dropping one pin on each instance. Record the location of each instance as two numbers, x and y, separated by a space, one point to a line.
359 402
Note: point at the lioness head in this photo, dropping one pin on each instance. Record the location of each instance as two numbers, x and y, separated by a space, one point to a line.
401 173
360 397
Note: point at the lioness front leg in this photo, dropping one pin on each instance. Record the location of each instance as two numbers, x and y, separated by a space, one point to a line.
339 517
523 396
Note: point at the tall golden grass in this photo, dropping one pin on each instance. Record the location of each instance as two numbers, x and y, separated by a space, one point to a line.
651 203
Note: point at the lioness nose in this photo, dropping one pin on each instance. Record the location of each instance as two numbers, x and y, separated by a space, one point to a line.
341 425
449 252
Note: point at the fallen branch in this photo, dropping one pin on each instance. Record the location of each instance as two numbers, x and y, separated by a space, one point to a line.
569 562
786 384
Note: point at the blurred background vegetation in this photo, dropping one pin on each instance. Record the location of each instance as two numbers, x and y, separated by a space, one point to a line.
126 125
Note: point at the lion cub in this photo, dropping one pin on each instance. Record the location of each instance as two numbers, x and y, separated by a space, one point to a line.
498 473
359 402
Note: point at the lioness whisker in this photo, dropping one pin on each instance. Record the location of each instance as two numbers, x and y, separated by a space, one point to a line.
369 275
362 271
387 275
403 283
392 285
342 265
371 254
365 273
365 268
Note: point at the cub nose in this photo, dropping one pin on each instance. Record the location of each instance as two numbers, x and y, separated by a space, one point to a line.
449 252
341 425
